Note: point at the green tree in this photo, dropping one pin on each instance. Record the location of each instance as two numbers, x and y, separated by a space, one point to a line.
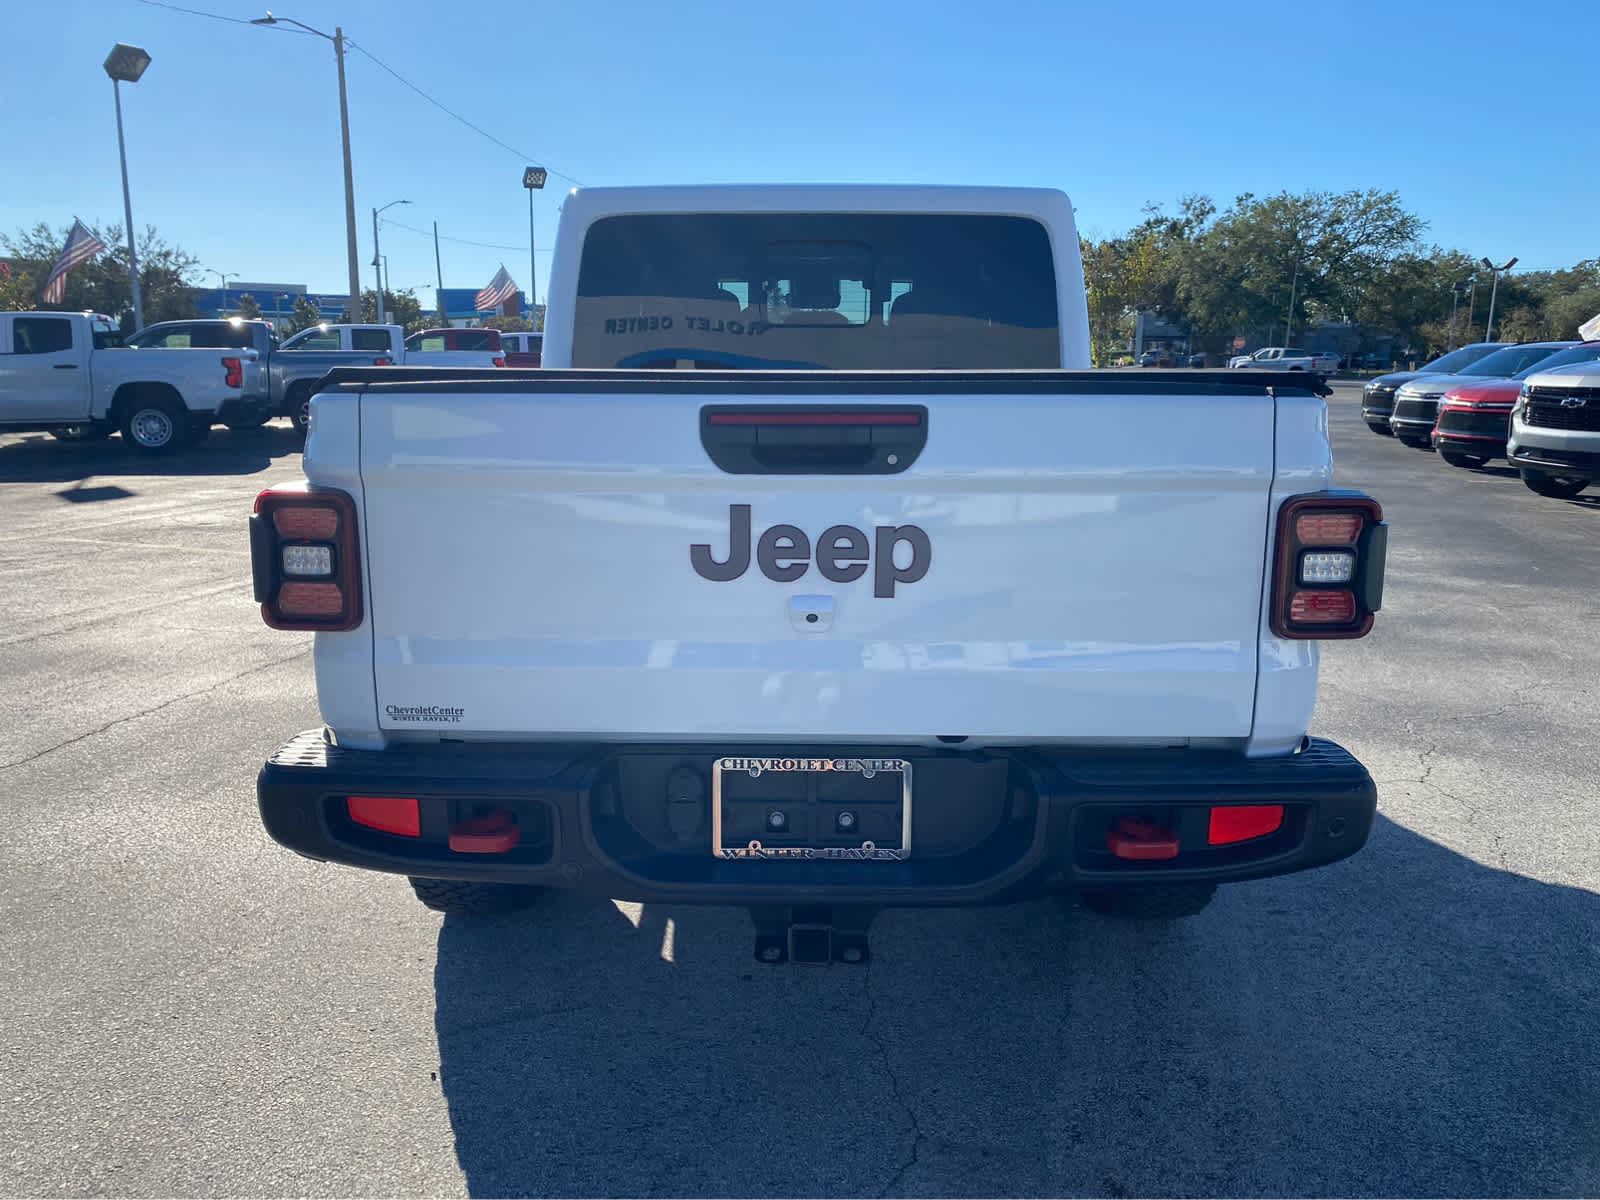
304 315
101 285
248 308
400 308
508 324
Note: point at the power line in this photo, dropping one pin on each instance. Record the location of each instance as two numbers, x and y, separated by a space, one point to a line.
196 12
445 237
448 111
527 158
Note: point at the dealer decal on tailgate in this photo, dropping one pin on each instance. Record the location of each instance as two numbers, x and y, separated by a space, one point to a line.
843 553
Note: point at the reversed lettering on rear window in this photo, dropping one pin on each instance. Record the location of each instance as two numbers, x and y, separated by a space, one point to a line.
829 291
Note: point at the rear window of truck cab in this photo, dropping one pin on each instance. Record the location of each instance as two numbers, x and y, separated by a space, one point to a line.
828 291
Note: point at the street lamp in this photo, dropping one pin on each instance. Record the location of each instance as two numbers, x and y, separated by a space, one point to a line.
1455 299
533 179
375 256
224 276
125 64
1488 332
337 39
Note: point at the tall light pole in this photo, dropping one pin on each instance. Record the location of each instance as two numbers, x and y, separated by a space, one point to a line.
355 310
1288 325
1488 332
1455 299
125 64
533 179
337 38
224 276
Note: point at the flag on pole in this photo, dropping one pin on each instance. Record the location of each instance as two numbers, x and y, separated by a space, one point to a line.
80 248
501 288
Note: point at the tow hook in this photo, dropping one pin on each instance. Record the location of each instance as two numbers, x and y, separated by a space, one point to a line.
811 935
1136 838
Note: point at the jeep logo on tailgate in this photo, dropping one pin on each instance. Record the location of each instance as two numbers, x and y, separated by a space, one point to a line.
843 553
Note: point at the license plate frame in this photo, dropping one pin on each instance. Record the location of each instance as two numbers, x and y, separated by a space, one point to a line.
845 850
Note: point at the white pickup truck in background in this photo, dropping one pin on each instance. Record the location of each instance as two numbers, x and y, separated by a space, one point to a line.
69 374
907 607
426 347
1281 358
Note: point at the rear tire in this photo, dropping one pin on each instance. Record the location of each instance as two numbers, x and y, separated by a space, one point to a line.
298 402
1149 902
1464 460
1557 487
472 899
157 426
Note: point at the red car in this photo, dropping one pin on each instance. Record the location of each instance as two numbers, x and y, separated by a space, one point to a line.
1475 418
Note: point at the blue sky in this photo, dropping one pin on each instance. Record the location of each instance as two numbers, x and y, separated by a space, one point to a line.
1474 112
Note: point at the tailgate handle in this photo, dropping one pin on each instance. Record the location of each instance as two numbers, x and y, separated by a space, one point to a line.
856 439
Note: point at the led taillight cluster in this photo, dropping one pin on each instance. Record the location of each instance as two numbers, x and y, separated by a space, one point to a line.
235 369
1328 576
305 559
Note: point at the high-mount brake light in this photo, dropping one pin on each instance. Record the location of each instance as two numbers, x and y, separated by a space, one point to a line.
1328 566
305 559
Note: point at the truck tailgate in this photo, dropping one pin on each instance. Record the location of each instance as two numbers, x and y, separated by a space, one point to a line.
1093 564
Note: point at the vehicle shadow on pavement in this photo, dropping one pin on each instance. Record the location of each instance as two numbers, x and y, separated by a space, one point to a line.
40 458
1408 1022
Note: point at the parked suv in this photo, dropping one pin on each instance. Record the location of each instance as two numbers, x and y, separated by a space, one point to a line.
1377 398
1475 418
1555 430
1416 404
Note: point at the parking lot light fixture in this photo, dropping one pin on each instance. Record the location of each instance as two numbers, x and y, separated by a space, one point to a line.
1488 333
126 64
337 38
533 179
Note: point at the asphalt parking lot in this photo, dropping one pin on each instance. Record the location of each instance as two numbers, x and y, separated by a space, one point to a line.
190 1010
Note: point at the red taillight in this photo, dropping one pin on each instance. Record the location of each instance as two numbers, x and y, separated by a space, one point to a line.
294 527
1329 563
1240 823
1327 529
1323 608
319 600
315 524
500 361
235 369
383 360
387 814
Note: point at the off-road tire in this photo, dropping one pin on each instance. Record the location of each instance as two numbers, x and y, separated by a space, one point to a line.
472 899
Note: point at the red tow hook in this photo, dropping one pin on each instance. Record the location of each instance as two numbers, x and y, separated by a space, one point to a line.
492 834
1137 838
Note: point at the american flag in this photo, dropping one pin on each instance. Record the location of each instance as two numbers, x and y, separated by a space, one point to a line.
501 288
80 248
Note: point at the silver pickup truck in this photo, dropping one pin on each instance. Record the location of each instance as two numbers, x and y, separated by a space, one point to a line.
282 380
67 373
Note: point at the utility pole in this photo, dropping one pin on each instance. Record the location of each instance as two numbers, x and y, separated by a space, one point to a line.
438 271
1294 286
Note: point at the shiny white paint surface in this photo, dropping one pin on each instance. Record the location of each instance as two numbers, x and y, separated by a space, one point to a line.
1051 208
1097 574
1286 690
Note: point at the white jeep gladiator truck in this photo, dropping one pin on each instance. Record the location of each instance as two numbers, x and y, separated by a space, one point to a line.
815 574
67 373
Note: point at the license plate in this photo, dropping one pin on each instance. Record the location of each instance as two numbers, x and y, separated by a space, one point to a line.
811 809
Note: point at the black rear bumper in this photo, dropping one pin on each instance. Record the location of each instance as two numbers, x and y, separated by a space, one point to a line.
987 826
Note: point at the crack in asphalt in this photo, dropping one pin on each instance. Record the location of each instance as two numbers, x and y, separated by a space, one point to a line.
153 709
894 1087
